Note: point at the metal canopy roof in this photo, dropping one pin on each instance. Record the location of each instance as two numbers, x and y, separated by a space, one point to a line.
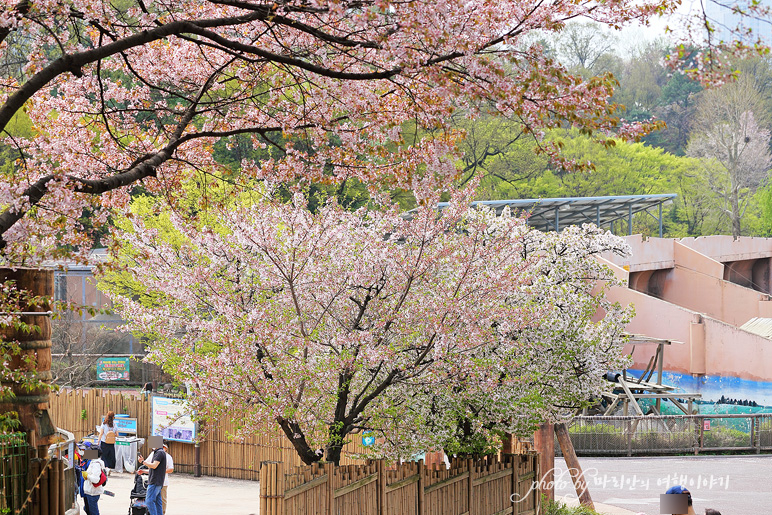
550 214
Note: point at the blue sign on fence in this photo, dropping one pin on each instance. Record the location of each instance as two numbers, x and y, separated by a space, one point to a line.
124 425
368 439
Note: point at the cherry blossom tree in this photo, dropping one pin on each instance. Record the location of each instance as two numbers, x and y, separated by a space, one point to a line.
135 94
333 322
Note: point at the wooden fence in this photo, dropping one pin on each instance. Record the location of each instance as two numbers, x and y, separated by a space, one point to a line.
80 411
47 481
489 486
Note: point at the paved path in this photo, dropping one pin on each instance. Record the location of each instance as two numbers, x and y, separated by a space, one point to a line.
731 484
188 496
603 509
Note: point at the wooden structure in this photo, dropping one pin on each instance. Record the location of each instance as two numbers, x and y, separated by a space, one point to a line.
34 358
79 411
46 482
544 443
489 486
630 390
574 468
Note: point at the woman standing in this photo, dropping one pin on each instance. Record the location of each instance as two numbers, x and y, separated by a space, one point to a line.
107 434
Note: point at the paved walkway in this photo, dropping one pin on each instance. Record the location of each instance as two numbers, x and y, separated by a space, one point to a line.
730 484
188 496
603 509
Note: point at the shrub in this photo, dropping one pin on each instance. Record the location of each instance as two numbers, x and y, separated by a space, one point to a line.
558 508
675 440
594 437
720 436
765 433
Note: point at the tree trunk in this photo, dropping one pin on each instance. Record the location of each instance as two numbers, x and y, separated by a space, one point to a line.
298 441
337 433
735 201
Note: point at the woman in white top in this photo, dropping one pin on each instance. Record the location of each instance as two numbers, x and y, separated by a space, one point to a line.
107 434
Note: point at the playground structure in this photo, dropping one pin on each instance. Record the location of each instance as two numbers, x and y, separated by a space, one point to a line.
630 390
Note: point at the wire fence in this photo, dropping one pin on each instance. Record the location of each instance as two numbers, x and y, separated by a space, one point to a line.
13 471
670 434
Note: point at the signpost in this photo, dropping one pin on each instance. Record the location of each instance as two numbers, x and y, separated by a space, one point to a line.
113 369
171 419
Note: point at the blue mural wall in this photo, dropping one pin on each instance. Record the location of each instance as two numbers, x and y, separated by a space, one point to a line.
713 387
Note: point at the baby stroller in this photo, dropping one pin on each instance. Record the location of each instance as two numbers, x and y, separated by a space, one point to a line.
137 504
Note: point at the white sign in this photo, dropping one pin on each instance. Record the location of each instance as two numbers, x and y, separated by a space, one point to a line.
171 419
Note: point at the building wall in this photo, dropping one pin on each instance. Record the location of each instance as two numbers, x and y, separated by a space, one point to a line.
704 345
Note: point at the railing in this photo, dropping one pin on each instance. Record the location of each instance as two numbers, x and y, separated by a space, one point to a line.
65 450
13 471
671 434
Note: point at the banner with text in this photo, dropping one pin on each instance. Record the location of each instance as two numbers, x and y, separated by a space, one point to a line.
113 369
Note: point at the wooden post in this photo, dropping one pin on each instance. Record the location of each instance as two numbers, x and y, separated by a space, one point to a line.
45 500
470 487
280 488
34 472
55 483
421 482
381 487
544 441
508 444
32 406
573 465
62 498
330 469
264 474
660 359
272 488
514 460
702 436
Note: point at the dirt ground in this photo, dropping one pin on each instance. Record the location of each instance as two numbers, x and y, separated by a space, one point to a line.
188 495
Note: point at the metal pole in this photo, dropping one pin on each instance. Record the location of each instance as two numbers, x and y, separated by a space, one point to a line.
197 458
557 219
630 219
660 219
597 215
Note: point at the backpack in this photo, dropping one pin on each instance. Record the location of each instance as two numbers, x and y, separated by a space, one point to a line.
102 479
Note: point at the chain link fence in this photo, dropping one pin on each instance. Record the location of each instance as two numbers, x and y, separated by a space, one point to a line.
670 434
13 471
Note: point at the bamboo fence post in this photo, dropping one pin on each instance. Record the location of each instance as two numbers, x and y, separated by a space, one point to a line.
421 492
330 488
515 496
34 472
381 487
45 505
53 498
62 497
470 487
263 488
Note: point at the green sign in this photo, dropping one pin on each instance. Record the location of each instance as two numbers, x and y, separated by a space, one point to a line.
113 369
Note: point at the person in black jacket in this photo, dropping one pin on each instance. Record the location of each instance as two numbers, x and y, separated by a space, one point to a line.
155 482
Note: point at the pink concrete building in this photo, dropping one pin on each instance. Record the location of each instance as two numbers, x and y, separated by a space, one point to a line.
711 295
